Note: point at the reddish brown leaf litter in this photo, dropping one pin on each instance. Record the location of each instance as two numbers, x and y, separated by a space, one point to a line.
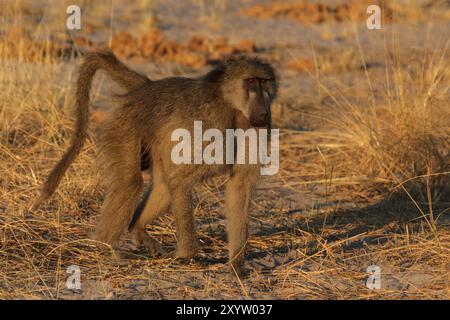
197 52
310 13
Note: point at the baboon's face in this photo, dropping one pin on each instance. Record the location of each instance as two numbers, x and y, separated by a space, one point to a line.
253 96
249 85
259 93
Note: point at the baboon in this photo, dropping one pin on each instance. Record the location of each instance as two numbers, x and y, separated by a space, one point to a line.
237 93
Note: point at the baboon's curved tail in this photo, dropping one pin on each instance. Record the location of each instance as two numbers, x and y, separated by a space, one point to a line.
120 73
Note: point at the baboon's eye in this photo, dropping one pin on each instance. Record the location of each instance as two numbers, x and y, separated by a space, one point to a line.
251 80
263 81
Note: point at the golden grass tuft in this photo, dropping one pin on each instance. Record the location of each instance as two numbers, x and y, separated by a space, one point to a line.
401 137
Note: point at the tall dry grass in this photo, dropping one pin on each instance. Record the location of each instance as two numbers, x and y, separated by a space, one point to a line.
402 139
211 13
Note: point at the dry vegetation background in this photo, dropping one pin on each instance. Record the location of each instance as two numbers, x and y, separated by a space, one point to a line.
364 118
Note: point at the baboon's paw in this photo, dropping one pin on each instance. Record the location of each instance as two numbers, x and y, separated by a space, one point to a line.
153 247
186 249
101 243
123 255
185 253
239 270
237 267
185 258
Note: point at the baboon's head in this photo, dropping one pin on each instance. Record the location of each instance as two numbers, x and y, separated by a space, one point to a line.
249 85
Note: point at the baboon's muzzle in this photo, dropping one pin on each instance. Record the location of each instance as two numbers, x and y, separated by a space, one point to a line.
260 112
260 120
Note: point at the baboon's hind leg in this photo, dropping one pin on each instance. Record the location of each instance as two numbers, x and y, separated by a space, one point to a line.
123 180
157 203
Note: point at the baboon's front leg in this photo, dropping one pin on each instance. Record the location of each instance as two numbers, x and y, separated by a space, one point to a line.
238 195
184 219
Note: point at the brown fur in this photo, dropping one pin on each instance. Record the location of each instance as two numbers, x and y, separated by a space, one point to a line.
142 128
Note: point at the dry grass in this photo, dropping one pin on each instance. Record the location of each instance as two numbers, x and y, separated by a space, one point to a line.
404 135
211 12
401 135
318 248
